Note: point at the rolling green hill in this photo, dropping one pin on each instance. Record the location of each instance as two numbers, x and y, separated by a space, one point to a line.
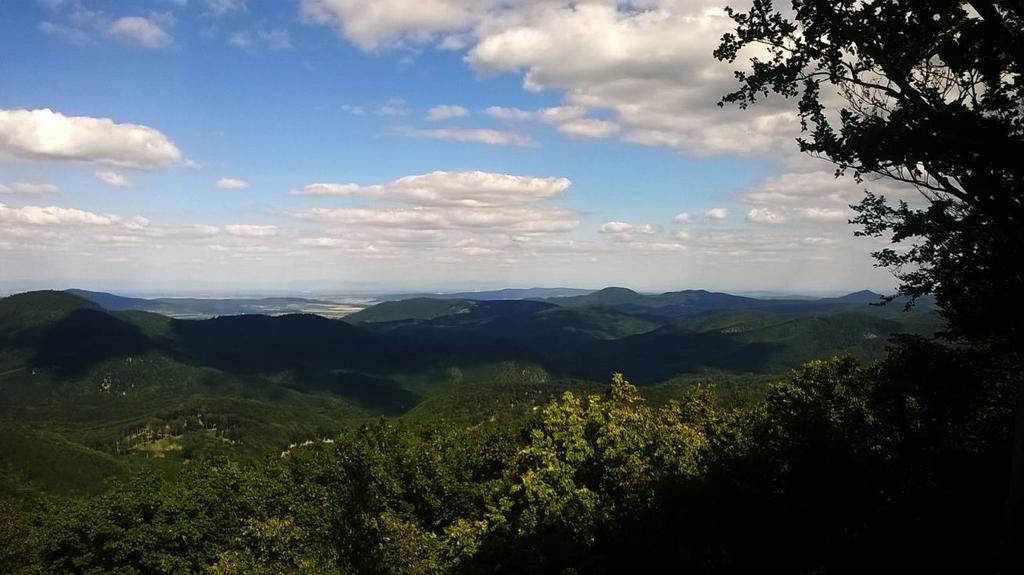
113 390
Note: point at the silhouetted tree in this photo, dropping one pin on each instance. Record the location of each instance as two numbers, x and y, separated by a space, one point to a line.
931 93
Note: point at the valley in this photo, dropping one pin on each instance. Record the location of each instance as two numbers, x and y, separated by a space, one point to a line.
108 383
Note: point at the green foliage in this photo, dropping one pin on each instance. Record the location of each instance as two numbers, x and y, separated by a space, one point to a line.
40 461
15 540
590 465
411 309
595 483
837 467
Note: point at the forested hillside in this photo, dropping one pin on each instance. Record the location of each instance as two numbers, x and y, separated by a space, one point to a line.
115 390
593 482
105 406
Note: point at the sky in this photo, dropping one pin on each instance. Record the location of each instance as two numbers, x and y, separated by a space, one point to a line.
403 145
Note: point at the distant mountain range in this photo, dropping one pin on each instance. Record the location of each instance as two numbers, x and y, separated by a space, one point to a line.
90 375
198 308
652 337
666 305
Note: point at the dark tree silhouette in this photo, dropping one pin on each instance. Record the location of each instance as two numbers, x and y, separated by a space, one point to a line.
931 94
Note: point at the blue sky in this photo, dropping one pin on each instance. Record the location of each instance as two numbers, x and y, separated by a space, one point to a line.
183 140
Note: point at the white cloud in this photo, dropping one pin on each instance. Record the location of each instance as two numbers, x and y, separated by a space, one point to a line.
112 178
250 231
28 188
445 112
478 135
569 120
616 228
800 187
322 189
183 231
396 236
590 128
766 216
391 21
469 188
682 235
717 214
647 64
819 241
459 188
515 220
823 214
389 217
644 236
75 23
509 114
54 216
682 218
148 32
48 135
508 220
232 184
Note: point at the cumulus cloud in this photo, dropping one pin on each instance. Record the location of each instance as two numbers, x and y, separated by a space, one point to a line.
385 217
766 216
589 128
54 216
478 135
458 188
616 228
112 178
823 214
446 112
515 220
47 135
717 214
647 64
28 188
323 189
801 187
569 120
507 220
73 21
449 215
391 21
250 231
682 218
630 233
183 231
148 31
232 184
650 67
